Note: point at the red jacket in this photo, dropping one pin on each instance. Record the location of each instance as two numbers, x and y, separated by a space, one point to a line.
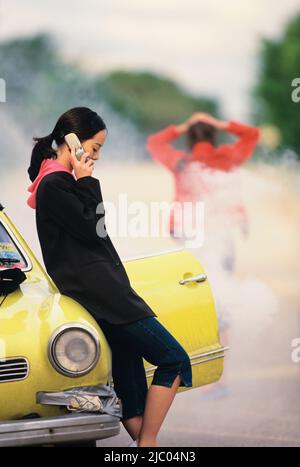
225 157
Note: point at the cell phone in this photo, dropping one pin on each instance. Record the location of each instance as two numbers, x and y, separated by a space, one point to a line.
72 140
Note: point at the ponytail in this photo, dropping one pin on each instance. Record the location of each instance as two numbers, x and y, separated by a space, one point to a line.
42 150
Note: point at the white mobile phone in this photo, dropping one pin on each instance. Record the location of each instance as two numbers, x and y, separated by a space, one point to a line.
72 140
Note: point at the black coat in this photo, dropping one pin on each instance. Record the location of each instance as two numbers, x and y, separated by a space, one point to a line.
83 263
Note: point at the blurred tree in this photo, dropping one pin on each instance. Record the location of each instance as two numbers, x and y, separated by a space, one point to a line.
39 83
151 101
279 66
41 86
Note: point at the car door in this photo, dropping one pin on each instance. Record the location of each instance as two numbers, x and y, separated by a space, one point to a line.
174 284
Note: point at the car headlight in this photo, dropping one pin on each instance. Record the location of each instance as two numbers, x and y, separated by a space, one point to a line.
74 350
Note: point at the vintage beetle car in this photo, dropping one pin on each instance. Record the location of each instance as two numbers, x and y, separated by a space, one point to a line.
54 357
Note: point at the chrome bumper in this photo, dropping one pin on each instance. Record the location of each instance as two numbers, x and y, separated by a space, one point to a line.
51 430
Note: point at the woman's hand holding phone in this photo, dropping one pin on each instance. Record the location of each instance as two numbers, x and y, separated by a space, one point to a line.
84 167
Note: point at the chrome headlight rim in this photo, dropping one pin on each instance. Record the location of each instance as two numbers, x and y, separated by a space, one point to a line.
51 345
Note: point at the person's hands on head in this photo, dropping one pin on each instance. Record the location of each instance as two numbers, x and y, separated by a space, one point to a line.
204 118
208 119
195 118
84 167
200 117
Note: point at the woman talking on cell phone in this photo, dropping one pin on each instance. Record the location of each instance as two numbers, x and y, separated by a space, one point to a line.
82 261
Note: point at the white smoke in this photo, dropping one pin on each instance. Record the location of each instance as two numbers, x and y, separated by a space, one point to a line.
243 298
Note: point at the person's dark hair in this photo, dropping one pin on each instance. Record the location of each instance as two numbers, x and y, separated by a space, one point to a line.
80 120
201 132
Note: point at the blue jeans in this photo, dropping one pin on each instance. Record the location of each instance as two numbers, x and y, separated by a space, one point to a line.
130 343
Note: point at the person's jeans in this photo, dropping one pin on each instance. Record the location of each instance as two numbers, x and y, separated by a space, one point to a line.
131 342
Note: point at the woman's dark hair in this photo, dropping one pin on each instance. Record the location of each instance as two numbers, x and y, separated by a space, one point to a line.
200 132
80 120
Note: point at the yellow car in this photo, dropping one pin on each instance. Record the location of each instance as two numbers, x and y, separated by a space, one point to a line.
55 363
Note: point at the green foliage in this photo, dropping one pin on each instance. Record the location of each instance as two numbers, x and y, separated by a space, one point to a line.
279 66
151 101
41 85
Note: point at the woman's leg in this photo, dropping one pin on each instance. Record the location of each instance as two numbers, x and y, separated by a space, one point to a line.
158 402
129 378
133 426
145 429
159 347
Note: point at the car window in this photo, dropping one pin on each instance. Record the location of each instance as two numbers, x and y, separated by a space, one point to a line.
10 254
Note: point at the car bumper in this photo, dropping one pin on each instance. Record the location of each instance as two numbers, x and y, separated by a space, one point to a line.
62 429
101 398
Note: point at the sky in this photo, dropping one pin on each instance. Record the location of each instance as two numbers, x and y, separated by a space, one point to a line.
210 48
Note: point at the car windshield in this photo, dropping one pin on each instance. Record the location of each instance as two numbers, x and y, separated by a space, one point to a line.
10 255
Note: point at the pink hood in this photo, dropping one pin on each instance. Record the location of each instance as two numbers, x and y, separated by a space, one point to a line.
47 166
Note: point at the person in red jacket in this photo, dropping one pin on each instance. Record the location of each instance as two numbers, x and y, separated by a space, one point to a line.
199 173
201 131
